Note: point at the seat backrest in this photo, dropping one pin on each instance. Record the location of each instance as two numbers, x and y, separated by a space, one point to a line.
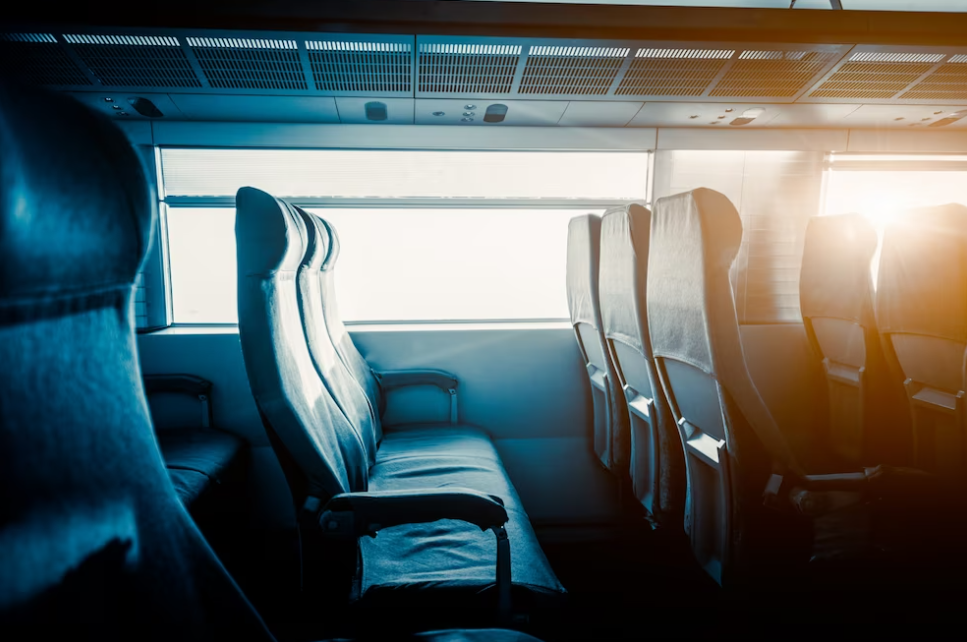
921 312
319 449
345 347
94 543
731 441
612 439
657 463
339 381
867 419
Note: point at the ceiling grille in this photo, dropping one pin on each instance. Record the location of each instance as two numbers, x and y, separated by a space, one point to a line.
37 58
138 61
672 72
466 68
361 66
949 82
870 80
772 73
587 71
244 63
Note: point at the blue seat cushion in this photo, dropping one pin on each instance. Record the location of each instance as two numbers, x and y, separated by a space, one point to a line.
414 564
197 458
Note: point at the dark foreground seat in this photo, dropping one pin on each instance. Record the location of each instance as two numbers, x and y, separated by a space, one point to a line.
428 499
94 542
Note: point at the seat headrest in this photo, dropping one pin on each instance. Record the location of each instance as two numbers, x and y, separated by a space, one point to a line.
922 281
835 279
317 237
327 229
269 242
694 239
66 226
625 232
583 251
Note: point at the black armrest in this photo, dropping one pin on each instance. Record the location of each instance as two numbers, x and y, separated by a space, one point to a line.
188 384
357 514
183 384
442 379
417 377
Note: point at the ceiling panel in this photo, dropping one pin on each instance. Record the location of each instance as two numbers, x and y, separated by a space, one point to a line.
399 111
118 104
269 109
701 115
588 113
468 112
908 117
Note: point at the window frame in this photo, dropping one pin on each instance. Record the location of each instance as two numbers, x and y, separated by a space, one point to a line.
579 206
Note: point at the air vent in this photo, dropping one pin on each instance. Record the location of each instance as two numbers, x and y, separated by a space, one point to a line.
246 63
38 59
361 66
672 72
135 61
577 71
949 82
875 75
782 74
467 69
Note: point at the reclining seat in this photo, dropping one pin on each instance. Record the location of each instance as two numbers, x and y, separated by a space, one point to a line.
409 442
657 462
612 438
731 442
94 542
921 311
374 384
868 421
431 557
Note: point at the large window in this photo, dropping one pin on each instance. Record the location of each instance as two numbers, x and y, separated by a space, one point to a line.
427 236
882 186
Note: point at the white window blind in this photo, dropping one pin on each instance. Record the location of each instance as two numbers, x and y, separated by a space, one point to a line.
401 175
775 192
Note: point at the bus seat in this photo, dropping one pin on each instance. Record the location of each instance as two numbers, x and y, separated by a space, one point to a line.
657 461
921 311
868 423
612 438
433 557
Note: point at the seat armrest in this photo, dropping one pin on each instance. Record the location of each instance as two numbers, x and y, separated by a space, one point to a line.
183 384
365 513
446 381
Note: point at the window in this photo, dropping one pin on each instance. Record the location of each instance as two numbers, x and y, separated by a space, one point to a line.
417 244
882 186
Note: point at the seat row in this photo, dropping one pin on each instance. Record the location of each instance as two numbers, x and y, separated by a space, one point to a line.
96 542
677 414
419 499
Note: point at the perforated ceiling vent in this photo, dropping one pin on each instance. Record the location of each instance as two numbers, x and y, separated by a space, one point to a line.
467 68
139 61
949 82
579 71
37 58
361 66
672 72
872 75
782 74
246 63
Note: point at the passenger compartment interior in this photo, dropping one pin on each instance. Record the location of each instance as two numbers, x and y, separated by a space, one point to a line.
292 349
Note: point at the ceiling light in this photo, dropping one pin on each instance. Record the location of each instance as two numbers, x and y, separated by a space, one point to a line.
469 113
729 110
439 113
108 100
467 120
755 112
469 107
